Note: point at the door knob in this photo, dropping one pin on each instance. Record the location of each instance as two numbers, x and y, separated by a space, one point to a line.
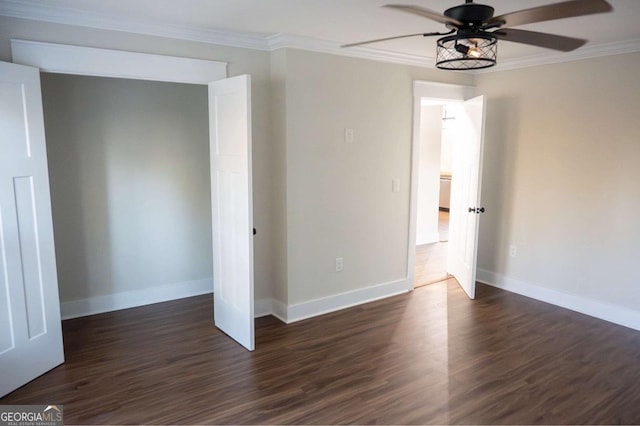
476 210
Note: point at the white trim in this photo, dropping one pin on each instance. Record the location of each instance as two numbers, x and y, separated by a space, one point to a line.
262 307
414 180
282 41
443 92
269 42
279 310
605 311
134 298
336 302
265 307
66 59
61 15
587 52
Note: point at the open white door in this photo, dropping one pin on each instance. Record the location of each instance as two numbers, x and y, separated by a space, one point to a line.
30 328
232 207
465 207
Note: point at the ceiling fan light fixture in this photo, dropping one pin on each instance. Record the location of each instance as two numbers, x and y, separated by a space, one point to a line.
466 51
473 47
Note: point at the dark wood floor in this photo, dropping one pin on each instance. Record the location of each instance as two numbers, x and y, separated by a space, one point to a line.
431 356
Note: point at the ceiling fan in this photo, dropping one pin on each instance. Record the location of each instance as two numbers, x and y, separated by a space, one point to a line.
470 45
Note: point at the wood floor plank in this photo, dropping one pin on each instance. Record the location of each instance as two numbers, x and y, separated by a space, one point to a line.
429 357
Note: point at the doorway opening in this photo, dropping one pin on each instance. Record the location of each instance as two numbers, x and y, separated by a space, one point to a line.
438 134
130 189
466 169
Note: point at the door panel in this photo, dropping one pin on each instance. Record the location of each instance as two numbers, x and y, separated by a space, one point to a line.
29 250
465 194
30 328
12 121
232 207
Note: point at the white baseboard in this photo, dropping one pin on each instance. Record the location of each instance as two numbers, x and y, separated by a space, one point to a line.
292 313
336 302
605 311
262 307
131 299
279 310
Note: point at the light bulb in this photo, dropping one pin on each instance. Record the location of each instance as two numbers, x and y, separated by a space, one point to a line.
474 52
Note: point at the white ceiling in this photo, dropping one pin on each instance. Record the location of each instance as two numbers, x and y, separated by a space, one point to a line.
326 24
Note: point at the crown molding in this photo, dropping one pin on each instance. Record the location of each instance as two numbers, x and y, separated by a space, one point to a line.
270 42
587 52
47 13
280 41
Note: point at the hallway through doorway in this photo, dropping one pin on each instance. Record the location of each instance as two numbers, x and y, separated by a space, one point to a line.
431 259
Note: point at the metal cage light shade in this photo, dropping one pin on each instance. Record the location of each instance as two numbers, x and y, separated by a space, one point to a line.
466 51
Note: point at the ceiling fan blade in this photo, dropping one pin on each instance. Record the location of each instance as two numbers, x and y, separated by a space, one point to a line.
567 9
534 38
389 38
421 11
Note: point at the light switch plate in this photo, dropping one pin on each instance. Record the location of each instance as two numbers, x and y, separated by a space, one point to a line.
395 185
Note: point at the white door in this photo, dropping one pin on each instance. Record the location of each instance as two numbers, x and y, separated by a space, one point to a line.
30 328
465 208
232 209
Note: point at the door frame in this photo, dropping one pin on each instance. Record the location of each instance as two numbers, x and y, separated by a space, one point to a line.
89 61
441 92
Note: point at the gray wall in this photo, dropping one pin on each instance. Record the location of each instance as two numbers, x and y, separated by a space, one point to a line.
129 173
339 199
561 178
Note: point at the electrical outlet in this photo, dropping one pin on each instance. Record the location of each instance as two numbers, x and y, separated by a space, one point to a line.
349 135
513 250
339 264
